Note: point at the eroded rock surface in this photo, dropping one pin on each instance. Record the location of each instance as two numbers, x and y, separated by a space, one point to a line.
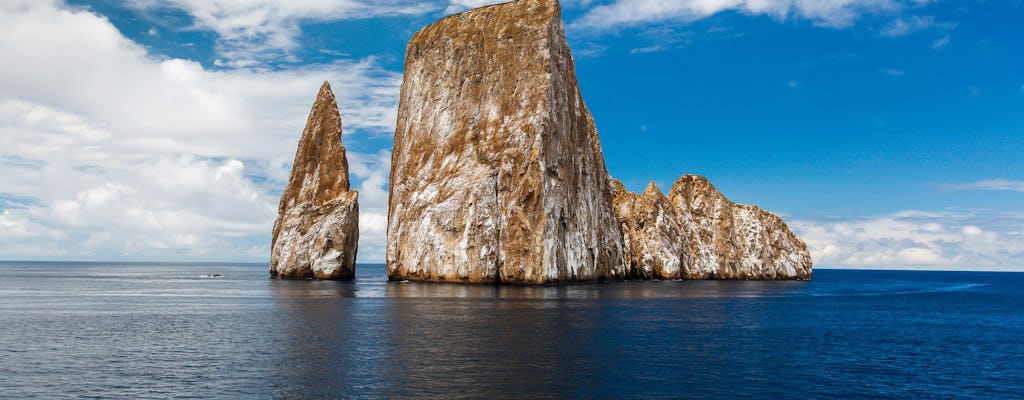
697 233
317 227
497 173
652 233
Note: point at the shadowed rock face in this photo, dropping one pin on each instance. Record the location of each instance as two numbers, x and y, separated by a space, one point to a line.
497 173
697 233
652 234
317 227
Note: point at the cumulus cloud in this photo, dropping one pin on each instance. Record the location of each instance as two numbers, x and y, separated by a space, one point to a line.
989 184
107 151
373 171
917 240
185 207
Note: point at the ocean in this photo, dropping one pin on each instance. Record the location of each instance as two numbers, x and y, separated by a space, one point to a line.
138 331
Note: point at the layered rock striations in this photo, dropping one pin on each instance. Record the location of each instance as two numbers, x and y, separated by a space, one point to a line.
497 172
317 227
697 233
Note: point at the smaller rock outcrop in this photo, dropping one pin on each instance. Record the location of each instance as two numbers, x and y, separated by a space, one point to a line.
697 233
652 233
317 228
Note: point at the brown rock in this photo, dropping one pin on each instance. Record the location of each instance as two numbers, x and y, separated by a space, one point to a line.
651 232
735 241
698 230
317 227
497 173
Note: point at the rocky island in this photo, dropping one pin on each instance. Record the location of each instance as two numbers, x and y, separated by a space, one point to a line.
498 177
695 232
498 174
317 227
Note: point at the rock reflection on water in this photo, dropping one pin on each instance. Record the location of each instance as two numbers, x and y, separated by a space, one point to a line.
487 342
414 339
612 290
319 332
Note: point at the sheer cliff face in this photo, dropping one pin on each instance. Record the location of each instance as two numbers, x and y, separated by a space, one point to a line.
317 227
697 233
497 173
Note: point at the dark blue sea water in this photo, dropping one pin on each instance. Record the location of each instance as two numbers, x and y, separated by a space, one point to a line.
73 330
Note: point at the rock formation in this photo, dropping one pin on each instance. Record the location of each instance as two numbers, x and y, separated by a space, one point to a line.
697 233
497 173
652 234
317 227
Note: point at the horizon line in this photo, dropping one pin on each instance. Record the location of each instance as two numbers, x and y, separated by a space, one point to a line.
834 268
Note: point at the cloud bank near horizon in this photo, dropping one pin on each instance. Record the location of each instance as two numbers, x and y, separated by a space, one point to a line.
917 240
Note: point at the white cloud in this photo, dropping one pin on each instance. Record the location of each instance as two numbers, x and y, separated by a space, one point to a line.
940 42
109 152
648 49
252 30
830 13
914 24
373 170
892 71
917 240
456 6
989 184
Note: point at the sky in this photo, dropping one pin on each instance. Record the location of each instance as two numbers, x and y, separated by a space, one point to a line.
888 134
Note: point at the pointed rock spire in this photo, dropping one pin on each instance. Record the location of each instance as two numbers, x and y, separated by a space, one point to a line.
653 190
320 150
317 227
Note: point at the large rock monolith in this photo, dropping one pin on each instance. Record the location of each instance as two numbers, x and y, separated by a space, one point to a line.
497 172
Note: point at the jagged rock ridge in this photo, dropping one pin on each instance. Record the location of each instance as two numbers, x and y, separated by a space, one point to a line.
317 228
497 172
652 234
697 233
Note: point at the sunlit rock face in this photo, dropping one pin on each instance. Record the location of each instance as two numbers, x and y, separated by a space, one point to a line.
317 227
497 173
697 233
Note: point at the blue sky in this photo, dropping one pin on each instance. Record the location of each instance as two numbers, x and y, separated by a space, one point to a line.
887 133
